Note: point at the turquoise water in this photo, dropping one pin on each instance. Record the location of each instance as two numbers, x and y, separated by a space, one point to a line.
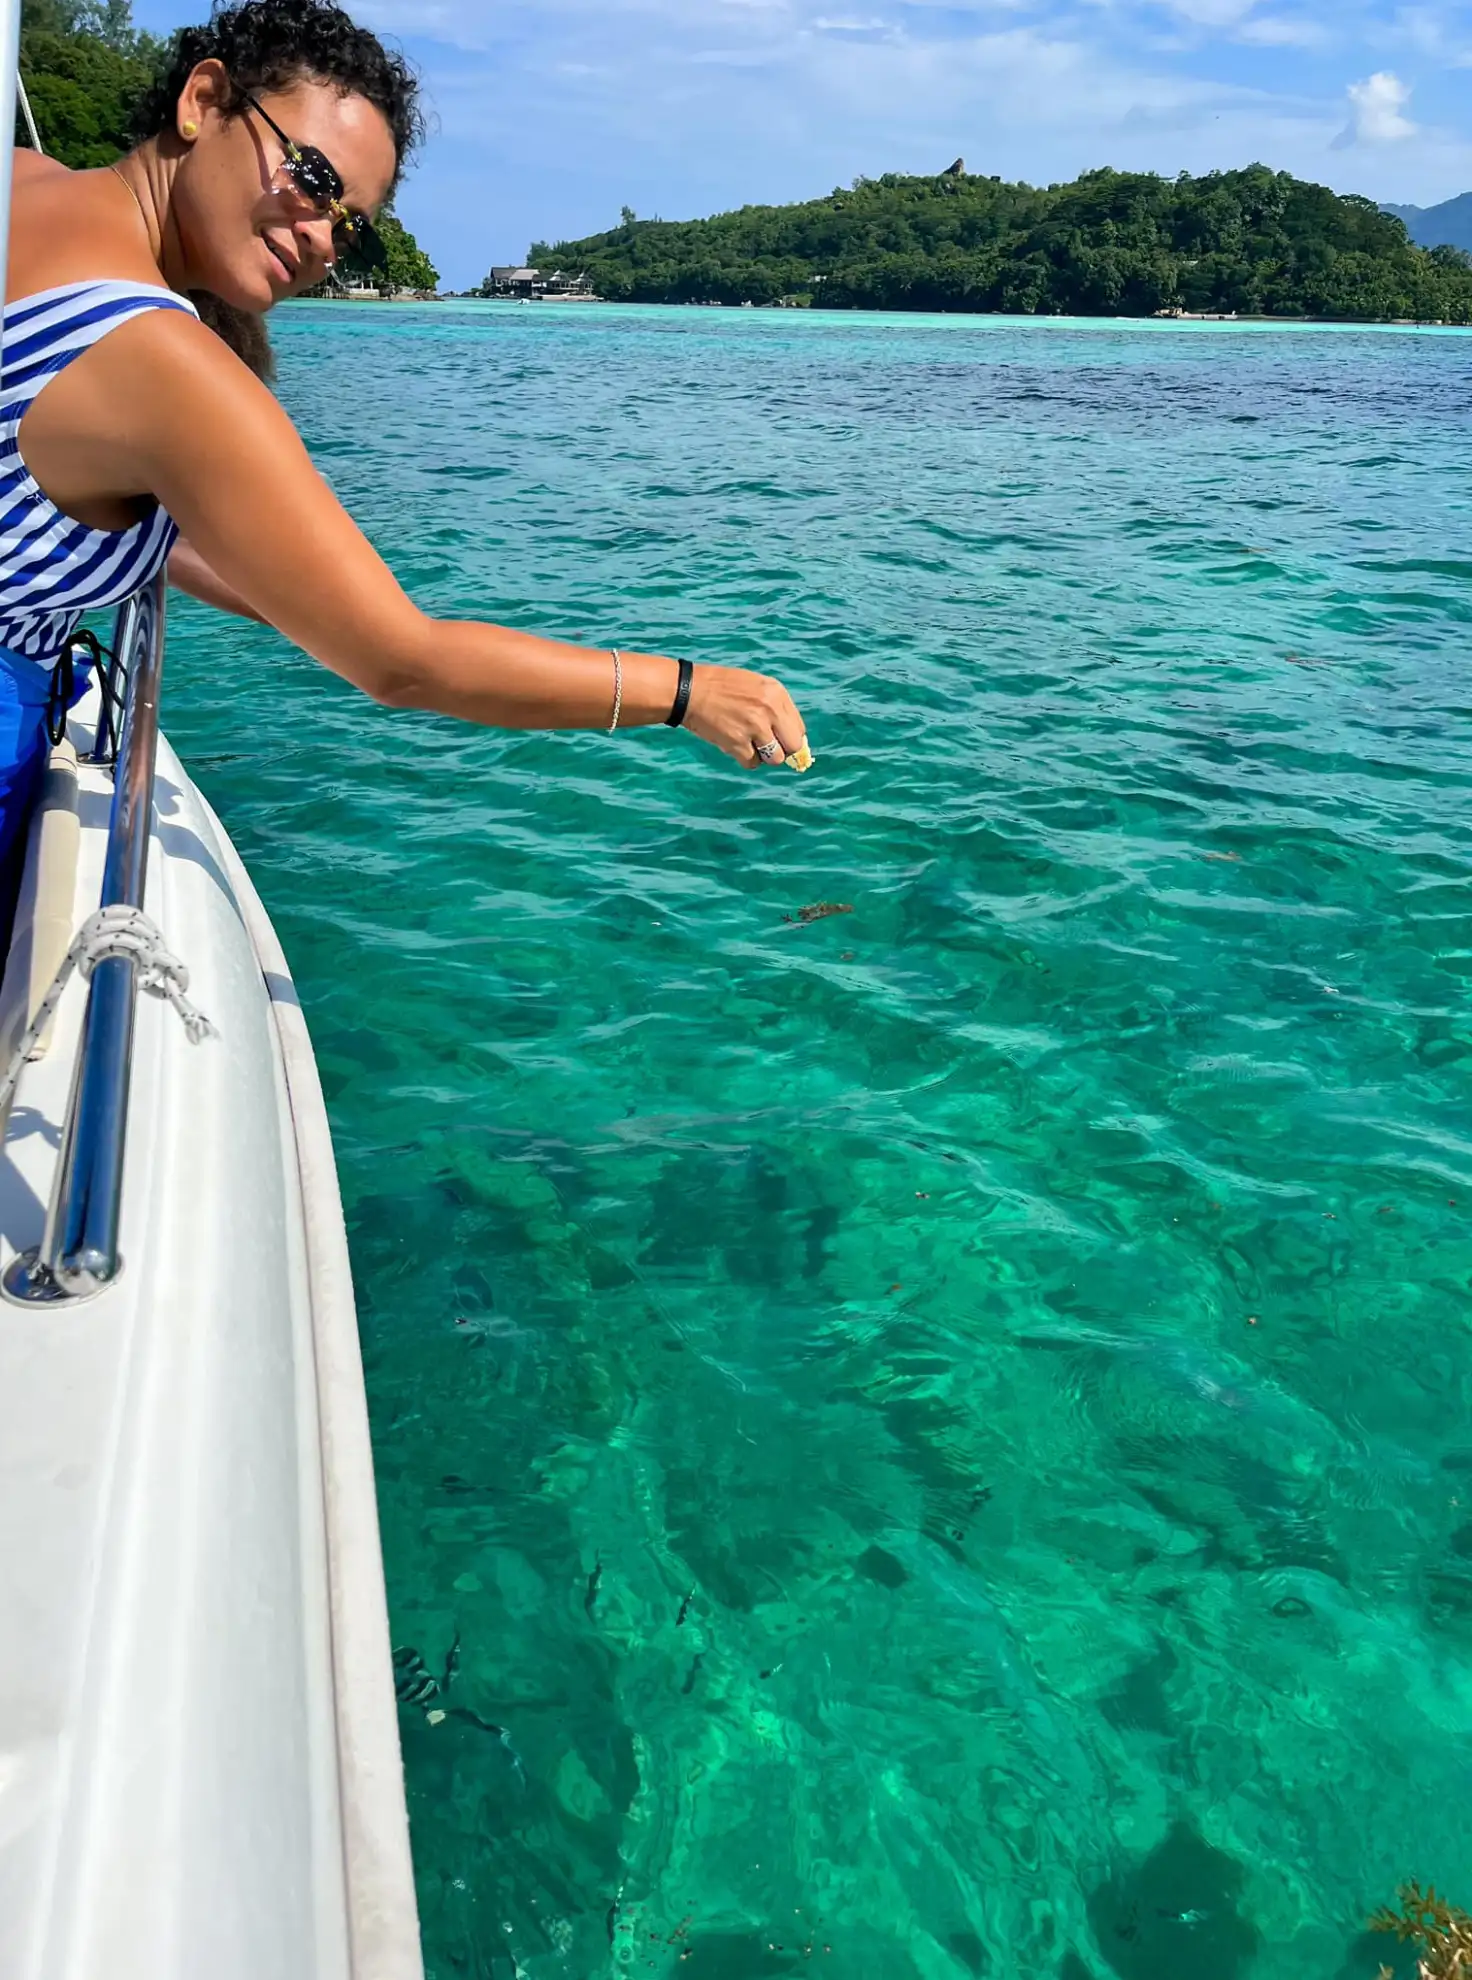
942 1434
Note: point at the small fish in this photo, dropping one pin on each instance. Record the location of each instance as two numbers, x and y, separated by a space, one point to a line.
475 1719
817 911
692 1674
498 1733
684 1609
452 1663
513 1756
413 1683
595 1582
1184 1917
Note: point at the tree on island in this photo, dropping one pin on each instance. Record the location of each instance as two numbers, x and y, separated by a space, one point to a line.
409 267
1254 242
84 67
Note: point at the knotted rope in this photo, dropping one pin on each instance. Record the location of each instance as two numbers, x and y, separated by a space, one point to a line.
113 932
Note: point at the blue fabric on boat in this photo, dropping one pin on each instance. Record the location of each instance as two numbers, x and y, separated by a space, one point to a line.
25 691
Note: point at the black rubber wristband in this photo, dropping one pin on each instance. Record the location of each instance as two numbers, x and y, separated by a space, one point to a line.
676 717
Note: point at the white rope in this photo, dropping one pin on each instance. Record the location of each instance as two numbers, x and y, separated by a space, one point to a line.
113 931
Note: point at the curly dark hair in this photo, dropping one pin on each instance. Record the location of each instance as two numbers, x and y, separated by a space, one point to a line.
271 44
238 331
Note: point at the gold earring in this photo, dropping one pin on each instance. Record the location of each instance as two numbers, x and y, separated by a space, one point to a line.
190 128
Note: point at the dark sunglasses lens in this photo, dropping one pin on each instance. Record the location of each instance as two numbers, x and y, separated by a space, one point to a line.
315 175
360 246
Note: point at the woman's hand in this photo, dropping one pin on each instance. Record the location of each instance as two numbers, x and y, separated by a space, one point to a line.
749 716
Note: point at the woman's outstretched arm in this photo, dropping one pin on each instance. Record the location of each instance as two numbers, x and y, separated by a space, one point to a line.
189 573
165 408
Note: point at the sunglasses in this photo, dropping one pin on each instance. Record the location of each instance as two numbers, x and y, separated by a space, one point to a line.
359 244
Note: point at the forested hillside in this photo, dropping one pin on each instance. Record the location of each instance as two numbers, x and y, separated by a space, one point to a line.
1109 244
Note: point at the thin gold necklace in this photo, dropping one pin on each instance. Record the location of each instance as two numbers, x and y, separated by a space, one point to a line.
136 201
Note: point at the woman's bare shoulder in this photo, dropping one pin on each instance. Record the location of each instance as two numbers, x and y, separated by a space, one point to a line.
28 165
138 411
70 226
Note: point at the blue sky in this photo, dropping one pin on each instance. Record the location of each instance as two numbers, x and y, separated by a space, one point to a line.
549 115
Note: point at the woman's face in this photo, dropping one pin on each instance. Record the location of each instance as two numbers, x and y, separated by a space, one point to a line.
246 233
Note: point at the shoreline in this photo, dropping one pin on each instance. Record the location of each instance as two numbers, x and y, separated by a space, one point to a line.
957 319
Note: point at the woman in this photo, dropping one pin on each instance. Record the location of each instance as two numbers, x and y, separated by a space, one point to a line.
277 134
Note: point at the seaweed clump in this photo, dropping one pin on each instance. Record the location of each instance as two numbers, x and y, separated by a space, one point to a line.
1440 1930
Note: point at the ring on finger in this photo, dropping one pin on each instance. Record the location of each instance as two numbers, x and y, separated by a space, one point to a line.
770 752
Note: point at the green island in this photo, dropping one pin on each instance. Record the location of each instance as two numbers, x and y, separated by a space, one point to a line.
84 66
1253 242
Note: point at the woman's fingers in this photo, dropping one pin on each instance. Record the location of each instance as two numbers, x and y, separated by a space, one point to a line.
787 727
779 733
749 716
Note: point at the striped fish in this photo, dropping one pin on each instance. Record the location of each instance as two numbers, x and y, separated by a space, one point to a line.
415 1683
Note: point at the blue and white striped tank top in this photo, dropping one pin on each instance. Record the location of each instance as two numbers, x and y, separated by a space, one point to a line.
52 568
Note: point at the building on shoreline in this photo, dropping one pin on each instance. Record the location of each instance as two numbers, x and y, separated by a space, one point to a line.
362 291
531 285
365 294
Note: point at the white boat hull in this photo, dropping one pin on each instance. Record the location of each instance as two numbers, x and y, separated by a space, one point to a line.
199 1764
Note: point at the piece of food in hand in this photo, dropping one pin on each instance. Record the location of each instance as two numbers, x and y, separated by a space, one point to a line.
800 759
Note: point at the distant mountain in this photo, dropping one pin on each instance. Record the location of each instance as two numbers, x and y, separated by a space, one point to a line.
1447 225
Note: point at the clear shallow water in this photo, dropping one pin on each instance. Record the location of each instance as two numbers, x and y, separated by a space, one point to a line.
943 1433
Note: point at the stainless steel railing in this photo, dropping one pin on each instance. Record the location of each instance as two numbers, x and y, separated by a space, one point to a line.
78 1253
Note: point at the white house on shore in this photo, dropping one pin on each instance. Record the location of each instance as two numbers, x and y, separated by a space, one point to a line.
531 285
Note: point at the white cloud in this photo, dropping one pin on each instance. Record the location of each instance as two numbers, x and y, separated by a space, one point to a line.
1443 33
1283 31
1377 111
1213 13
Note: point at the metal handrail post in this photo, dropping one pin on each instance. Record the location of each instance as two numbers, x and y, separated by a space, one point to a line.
79 1251
124 628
